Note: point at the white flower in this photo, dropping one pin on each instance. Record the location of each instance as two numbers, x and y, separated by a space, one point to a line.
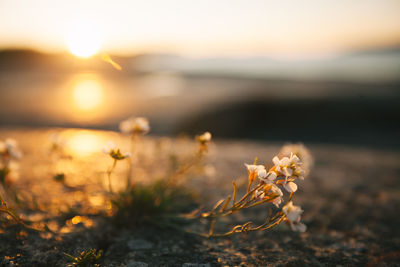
298 227
254 171
109 147
204 138
289 166
267 190
282 166
254 168
138 125
300 173
10 147
293 215
267 177
262 174
302 152
276 190
294 159
290 186
258 170
292 212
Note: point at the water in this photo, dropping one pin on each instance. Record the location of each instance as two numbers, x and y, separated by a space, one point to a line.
319 111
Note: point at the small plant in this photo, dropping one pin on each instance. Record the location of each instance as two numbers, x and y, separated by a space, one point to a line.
151 202
134 127
140 202
285 171
9 153
87 258
116 154
203 142
144 202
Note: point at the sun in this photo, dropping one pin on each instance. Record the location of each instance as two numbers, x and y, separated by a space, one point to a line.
83 40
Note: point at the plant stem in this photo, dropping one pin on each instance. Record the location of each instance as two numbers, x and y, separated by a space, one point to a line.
132 160
109 175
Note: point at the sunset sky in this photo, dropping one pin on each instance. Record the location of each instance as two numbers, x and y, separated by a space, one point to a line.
200 28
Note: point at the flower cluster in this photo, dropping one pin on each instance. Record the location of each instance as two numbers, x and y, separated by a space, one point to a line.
282 174
300 151
287 170
135 125
111 149
9 152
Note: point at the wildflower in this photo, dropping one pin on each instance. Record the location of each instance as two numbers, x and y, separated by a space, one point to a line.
292 212
204 138
111 149
255 171
302 152
293 215
266 177
271 191
10 148
282 166
289 167
135 125
290 186
284 173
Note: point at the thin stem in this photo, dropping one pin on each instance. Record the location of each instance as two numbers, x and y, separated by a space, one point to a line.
132 159
246 227
184 169
236 206
18 220
109 175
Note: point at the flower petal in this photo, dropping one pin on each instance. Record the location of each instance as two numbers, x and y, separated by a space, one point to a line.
290 187
276 161
298 227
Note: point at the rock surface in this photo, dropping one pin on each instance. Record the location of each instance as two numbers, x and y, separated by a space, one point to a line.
351 206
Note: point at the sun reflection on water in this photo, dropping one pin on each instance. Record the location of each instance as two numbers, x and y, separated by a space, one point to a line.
88 94
83 143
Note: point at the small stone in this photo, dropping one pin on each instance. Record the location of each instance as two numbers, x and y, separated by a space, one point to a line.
136 244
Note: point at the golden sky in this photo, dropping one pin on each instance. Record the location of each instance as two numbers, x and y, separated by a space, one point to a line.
201 27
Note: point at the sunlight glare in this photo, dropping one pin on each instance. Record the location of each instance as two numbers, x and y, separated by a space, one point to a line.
88 94
83 40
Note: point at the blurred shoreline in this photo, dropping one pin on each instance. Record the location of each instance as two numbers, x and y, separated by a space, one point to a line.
190 96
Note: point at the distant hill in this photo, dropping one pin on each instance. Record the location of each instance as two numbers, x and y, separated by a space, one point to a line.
378 65
30 60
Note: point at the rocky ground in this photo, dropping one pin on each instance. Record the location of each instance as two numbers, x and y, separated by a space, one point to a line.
351 207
